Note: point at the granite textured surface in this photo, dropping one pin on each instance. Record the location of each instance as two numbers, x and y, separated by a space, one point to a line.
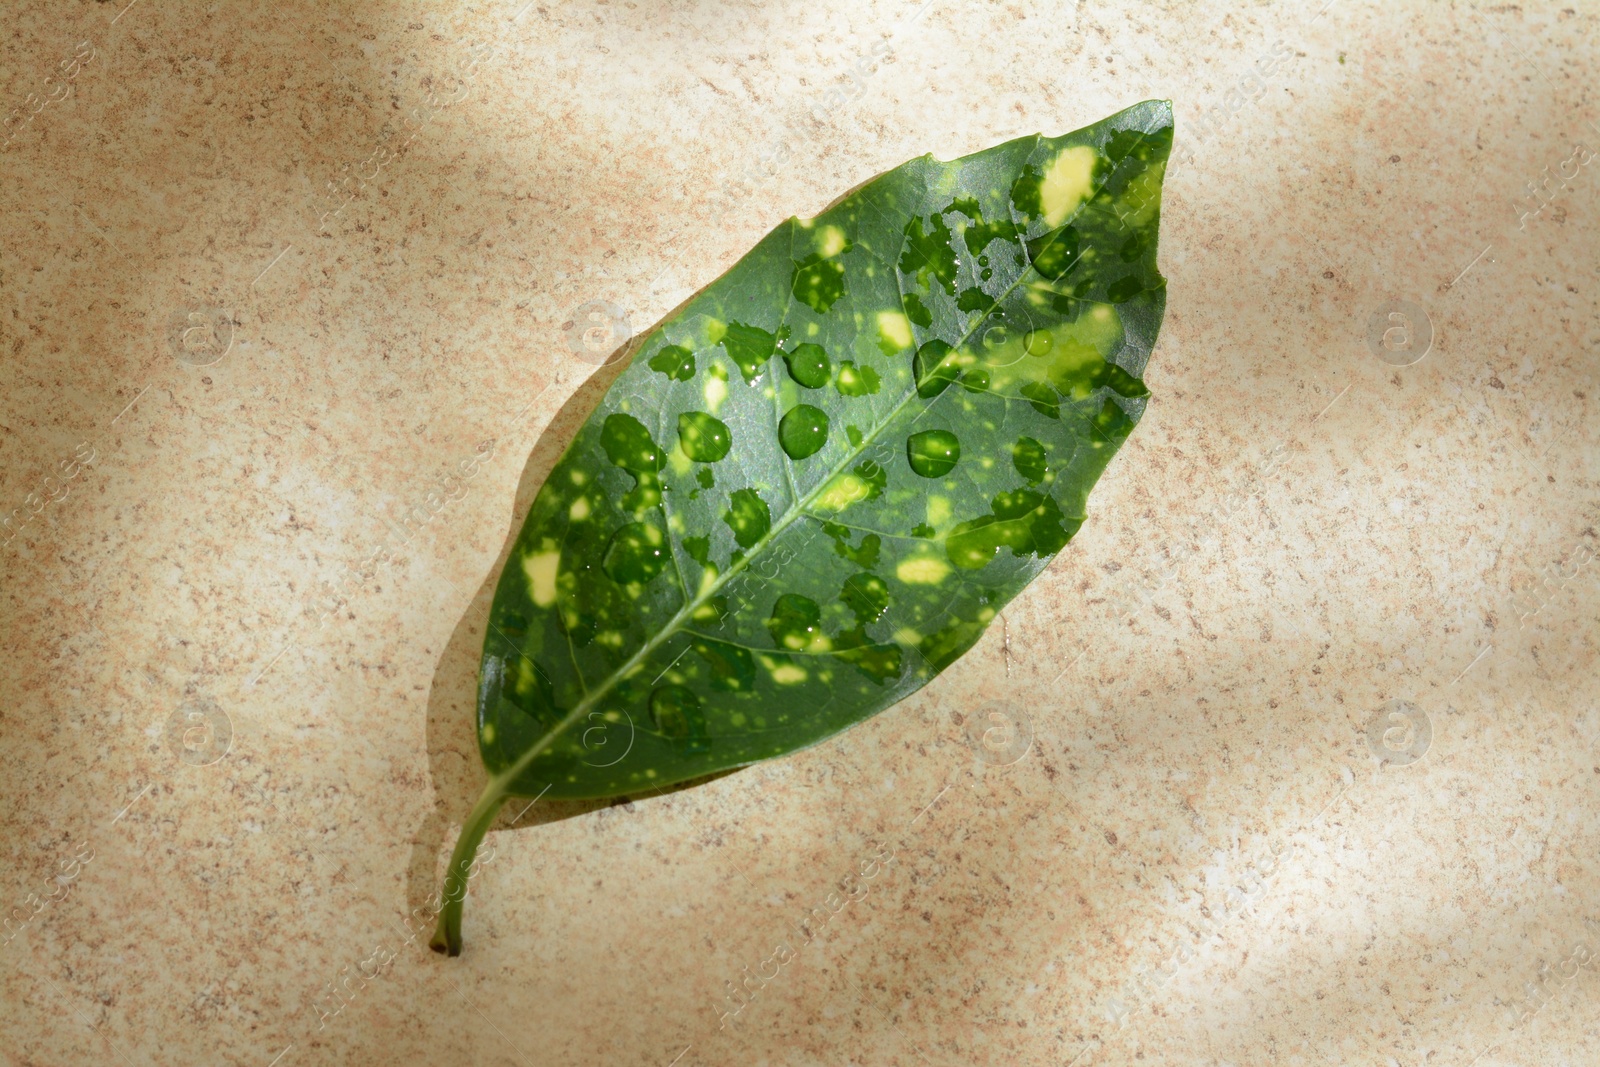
1309 706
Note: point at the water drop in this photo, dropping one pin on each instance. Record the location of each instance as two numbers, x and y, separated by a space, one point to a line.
933 368
933 453
803 431
809 365
629 445
702 437
637 553
1028 456
677 714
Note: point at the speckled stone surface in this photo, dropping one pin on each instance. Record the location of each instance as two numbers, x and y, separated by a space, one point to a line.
1312 764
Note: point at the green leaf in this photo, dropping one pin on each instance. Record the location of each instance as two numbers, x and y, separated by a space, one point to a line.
655 624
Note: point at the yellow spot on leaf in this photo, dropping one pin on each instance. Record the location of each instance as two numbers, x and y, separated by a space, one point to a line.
843 491
924 570
789 674
681 463
540 567
907 636
1067 183
830 241
579 510
938 511
894 329
488 733
716 391
708 581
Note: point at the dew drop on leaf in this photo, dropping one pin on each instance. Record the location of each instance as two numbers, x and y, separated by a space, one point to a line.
803 431
637 553
857 380
809 365
1027 455
933 453
702 437
818 283
748 517
677 714
629 445
675 361
934 368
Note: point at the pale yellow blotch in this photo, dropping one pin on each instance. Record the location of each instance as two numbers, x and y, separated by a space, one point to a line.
578 477
895 331
924 570
680 462
985 614
708 581
830 241
789 674
813 328
650 773
907 636
938 511
843 491
579 509
540 567
676 524
716 391
1067 183
488 733
610 638
713 330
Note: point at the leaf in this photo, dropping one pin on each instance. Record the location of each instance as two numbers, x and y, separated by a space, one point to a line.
865 521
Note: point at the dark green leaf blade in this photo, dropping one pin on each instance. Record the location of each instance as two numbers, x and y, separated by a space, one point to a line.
785 515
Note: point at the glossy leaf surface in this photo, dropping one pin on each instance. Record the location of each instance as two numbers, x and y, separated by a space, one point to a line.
816 485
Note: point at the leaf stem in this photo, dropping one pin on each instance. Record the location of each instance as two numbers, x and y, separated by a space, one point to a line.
447 935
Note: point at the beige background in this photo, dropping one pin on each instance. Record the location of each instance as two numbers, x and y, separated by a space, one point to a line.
1112 897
